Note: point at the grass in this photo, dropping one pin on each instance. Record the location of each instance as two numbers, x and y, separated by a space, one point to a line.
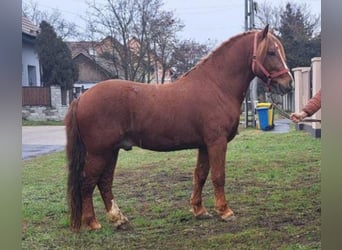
272 184
41 123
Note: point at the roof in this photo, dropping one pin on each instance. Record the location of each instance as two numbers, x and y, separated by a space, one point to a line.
102 65
81 47
28 27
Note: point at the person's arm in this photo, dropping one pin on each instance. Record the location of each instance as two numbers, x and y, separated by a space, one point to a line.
313 105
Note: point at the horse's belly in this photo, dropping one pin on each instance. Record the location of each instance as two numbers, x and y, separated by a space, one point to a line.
158 142
170 147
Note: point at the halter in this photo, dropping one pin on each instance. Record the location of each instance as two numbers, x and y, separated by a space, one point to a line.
269 76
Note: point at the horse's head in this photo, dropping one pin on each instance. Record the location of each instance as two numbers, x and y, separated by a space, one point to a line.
268 62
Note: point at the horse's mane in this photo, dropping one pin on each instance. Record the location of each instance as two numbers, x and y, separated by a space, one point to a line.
226 43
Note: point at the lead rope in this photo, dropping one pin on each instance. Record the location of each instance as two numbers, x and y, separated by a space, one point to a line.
285 114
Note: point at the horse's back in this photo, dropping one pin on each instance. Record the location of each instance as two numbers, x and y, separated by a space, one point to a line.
112 97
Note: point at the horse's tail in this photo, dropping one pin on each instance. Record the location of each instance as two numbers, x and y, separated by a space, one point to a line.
76 152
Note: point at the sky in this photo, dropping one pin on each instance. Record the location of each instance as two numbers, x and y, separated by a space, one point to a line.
212 21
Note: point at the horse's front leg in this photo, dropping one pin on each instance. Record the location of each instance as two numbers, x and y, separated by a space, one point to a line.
217 158
200 176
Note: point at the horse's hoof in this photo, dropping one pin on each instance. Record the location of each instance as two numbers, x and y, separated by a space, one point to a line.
120 221
200 213
93 226
204 216
124 226
115 216
229 218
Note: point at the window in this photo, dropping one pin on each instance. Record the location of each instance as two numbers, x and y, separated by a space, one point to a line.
32 75
92 52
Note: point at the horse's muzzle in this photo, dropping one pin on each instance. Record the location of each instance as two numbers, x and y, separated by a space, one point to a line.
282 88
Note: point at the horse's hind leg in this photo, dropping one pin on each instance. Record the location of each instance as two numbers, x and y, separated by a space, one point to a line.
105 186
93 169
199 178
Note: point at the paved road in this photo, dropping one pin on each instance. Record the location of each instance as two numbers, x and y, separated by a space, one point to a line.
38 140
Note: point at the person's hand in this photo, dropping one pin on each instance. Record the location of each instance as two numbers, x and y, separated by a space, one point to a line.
298 117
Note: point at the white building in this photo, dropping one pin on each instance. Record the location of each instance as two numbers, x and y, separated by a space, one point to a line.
30 63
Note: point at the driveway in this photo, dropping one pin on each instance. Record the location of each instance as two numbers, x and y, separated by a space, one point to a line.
281 126
38 140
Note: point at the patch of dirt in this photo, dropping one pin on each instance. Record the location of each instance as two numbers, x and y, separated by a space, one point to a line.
159 205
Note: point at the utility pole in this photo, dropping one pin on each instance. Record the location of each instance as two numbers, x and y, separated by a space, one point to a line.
250 9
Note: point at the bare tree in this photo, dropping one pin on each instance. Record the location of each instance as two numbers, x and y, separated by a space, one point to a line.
187 54
63 28
164 39
141 33
269 13
114 19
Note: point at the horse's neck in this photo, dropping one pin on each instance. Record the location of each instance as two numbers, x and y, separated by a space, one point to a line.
229 67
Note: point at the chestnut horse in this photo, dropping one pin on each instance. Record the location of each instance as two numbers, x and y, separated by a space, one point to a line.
200 110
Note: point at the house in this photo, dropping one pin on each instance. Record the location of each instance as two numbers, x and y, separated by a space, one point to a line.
30 61
96 62
92 68
39 103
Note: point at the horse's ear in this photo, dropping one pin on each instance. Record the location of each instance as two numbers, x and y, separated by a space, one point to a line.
265 31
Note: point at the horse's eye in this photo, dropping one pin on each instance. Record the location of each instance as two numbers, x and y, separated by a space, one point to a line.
271 53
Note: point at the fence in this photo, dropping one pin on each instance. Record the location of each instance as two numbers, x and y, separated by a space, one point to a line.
307 84
45 103
36 96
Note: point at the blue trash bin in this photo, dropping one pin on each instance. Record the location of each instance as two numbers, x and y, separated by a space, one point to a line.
263 114
266 115
263 118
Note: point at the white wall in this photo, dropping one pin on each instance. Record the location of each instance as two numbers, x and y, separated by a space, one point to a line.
29 57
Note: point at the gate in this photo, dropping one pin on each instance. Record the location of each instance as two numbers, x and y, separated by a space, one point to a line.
36 96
